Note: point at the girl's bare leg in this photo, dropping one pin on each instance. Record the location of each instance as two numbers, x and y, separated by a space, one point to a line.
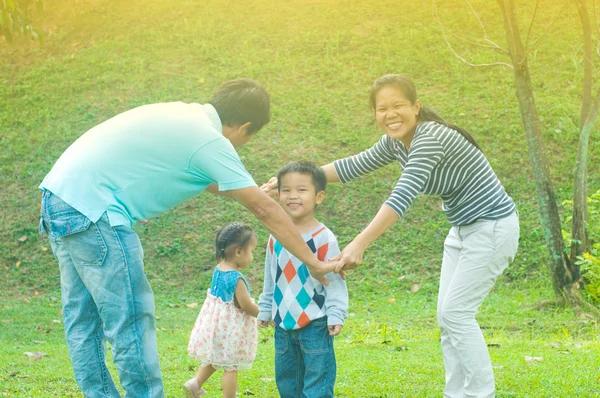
204 374
229 383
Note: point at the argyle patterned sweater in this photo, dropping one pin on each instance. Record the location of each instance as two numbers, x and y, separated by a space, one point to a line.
291 297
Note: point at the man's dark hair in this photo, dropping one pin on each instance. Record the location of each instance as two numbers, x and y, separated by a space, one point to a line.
319 179
241 101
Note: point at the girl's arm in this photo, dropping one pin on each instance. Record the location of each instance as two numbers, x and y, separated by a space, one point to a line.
352 255
244 300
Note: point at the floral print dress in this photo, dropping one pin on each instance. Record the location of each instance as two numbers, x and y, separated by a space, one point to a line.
224 336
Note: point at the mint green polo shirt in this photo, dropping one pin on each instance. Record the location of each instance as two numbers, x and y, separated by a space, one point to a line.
146 161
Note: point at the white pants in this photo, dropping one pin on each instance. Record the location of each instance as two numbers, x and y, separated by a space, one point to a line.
474 256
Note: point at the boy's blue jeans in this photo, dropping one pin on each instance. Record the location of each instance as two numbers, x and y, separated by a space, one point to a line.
105 295
305 361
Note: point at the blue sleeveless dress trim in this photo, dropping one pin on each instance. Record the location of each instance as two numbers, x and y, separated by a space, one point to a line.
224 283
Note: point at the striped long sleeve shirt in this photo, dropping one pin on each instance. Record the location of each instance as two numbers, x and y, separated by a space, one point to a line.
441 162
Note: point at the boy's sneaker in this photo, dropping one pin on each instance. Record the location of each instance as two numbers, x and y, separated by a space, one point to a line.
192 390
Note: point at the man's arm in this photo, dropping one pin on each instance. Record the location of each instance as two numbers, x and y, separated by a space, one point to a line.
214 189
273 217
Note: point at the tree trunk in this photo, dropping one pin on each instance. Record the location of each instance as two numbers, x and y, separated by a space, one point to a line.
579 243
559 262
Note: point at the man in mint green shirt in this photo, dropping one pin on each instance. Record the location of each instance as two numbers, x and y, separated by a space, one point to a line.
129 168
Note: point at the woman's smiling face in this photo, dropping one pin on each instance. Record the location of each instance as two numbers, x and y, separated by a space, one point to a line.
395 114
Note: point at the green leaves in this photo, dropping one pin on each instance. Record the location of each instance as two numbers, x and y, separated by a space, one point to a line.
15 19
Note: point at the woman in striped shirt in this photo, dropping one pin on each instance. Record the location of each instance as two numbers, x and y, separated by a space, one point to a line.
438 158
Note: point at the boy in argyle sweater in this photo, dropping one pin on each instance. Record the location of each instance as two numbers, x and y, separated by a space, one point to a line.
307 314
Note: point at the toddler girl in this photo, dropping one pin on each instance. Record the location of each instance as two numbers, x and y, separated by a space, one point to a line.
225 333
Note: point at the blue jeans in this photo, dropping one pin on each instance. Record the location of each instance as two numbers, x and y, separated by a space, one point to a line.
105 295
305 361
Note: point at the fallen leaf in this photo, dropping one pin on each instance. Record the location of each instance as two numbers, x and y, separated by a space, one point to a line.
156 317
38 341
414 288
44 248
534 359
56 321
23 238
174 305
36 356
401 277
192 305
38 207
392 300
18 264
266 379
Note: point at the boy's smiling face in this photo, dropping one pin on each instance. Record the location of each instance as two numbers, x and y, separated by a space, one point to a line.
297 196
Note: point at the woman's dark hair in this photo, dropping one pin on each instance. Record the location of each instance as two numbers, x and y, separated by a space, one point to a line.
241 101
232 236
426 114
319 179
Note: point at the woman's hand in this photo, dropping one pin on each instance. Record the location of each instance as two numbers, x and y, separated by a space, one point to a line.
270 187
350 258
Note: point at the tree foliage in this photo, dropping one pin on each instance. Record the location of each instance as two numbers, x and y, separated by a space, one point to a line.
16 18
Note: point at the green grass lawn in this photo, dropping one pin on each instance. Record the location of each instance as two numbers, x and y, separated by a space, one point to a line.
318 60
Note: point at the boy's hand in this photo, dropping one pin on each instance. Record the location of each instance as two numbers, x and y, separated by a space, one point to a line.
263 324
334 330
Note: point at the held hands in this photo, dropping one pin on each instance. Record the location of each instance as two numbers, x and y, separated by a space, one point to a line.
334 330
270 187
350 258
264 324
323 269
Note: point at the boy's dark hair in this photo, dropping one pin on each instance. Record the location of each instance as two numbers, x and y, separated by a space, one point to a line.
319 179
240 101
234 234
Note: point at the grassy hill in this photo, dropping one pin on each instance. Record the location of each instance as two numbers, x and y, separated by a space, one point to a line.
318 60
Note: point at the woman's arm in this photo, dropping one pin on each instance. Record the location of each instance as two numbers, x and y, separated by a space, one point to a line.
426 153
351 167
352 255
243 298
330 172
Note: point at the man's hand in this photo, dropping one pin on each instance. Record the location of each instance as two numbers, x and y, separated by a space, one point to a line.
334 330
